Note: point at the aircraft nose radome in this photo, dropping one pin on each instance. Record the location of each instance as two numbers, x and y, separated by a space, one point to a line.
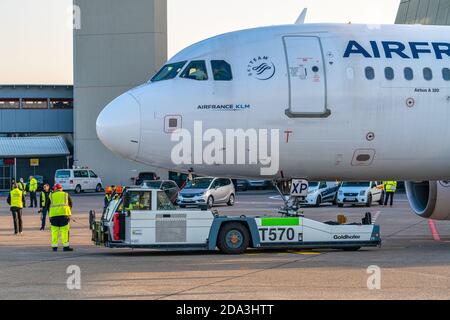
118 126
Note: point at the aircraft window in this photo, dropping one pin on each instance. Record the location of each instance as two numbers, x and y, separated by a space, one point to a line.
389 73
409 74
221 70
446 74
427 74
196 70
169 71
370 73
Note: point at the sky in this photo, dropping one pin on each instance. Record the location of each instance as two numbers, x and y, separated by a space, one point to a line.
36 46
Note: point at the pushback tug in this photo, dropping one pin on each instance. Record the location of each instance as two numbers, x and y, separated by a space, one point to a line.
145 218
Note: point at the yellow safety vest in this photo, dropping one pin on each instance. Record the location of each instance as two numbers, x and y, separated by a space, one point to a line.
43 199
59 204
21 187
16 198
33 185
390 186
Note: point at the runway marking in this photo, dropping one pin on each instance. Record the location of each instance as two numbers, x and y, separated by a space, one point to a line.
305 253
434 230
377 215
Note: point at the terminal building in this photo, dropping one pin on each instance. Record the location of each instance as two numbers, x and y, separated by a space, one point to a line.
431 12
119 46
36 131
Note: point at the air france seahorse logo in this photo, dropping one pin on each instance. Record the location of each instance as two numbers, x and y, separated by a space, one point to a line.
261 68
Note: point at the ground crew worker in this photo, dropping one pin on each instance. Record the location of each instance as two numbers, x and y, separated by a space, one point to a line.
390 187
60 214
44 204
118 191
22 187
33 188
108 197
16 200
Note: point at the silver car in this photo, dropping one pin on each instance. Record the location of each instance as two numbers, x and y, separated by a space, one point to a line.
209 191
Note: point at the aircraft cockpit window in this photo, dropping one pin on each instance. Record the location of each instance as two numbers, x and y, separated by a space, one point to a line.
446 74
169 71
221 70
196 70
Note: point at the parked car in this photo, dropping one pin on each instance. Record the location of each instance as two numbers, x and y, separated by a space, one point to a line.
78 180
145 176
260 184
168 186
322 192
366 193
242 185
40 180
209 191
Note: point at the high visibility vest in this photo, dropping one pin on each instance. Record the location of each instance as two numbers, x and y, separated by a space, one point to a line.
33 185
390 186
16 198
59 204
43 199
21 187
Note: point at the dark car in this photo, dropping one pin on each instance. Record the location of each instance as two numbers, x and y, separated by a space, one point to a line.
169 186
145 176
242 185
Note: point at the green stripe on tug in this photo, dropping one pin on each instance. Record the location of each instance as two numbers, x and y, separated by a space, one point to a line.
280 222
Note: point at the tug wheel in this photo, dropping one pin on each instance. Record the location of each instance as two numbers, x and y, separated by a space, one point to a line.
234 238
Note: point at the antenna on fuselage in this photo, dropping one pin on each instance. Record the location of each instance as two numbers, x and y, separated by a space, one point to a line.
301 18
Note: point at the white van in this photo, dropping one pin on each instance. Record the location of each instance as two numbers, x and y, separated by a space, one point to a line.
78 180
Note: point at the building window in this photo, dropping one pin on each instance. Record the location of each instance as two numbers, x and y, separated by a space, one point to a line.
427 74
409 74
221 70
34 104
61 103
446 74
9 103
389 73
370 73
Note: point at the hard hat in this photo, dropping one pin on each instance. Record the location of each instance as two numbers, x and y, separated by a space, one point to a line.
108 190
119 190
57 187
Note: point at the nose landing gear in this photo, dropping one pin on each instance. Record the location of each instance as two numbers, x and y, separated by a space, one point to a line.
292 205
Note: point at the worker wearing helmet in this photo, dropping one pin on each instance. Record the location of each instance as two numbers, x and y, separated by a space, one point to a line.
118 191
60 214
108 197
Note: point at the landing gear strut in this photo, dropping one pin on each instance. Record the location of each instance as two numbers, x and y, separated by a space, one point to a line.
291 207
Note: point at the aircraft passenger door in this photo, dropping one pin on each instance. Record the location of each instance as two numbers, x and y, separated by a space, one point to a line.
307 79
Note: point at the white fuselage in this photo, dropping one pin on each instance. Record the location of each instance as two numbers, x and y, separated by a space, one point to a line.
333 122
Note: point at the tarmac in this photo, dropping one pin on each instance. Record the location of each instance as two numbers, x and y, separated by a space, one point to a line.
411 264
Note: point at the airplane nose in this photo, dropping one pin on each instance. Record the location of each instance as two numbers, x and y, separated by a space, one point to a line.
118 126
